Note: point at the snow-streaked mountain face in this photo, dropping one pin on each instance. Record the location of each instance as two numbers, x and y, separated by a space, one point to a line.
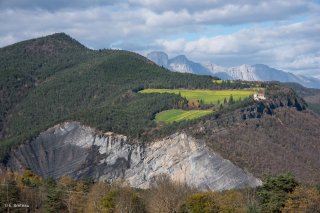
261 72
159 58
182 64
257 72
178 64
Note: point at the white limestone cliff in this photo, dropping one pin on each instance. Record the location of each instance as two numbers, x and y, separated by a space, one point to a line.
79 151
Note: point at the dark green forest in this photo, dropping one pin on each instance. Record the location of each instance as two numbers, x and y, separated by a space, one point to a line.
52 79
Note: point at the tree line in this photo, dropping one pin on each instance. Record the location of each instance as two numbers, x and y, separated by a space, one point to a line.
31 193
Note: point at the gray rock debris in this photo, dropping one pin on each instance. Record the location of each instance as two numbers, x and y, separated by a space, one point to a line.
79 151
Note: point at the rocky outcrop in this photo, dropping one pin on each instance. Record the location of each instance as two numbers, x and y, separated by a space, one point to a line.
79 151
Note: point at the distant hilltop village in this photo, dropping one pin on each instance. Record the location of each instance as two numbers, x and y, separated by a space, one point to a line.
259 97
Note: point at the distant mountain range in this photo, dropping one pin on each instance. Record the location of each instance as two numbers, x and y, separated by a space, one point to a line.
257 72
179 63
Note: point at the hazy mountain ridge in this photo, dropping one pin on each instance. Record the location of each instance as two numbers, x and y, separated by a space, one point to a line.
179 63
261 72
257 72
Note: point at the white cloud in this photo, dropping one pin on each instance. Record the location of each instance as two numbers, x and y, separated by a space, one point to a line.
228 11
53 5
8 39
223 7
292 47
305 62
143 25
174 46
98 25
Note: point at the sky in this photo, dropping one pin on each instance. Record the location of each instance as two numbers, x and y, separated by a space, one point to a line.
284 34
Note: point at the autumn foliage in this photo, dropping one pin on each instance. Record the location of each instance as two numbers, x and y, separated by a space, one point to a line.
277 194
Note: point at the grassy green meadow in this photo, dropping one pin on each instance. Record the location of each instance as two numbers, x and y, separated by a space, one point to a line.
217 81
207 96
177 115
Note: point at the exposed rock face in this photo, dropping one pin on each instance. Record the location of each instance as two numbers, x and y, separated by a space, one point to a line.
182 64
178 64
78 151
159 58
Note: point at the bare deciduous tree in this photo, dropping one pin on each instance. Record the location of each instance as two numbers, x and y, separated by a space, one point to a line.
166 195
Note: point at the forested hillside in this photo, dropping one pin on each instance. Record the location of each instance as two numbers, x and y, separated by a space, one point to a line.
25 65
47 80
286 141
